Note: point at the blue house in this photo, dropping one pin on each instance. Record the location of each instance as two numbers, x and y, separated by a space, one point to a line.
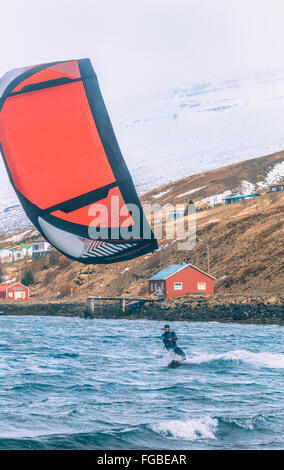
276 187
240 197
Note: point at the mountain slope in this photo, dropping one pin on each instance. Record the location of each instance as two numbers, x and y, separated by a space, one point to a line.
246 240
194 127
248 176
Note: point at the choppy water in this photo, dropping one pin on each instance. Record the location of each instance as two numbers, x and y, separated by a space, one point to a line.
104 384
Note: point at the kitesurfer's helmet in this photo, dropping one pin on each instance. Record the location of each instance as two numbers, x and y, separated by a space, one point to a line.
166 327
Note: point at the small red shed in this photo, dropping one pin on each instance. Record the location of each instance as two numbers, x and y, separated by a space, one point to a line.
181 279
15 291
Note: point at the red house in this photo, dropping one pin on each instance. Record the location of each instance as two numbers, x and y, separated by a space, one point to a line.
15 291
181 279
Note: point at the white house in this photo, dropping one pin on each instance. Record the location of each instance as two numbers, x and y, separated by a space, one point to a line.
6 256
27 251
40 248
17 254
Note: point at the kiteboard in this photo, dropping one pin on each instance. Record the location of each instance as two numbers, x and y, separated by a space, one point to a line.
176 363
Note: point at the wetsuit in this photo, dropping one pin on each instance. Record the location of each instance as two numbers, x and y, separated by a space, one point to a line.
169 340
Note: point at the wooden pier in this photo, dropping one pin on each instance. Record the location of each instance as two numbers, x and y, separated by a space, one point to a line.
94 303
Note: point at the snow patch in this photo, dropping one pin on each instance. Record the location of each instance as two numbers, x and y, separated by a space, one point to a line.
20 236
215 199
275 175
156 196
213 221
124 271
191 191
246 187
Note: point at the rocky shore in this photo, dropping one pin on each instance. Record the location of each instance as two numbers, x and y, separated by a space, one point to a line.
44 308
257 309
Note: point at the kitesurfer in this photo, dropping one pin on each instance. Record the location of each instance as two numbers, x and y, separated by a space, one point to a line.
170 340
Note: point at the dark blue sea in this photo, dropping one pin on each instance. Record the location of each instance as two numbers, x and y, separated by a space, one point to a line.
69 383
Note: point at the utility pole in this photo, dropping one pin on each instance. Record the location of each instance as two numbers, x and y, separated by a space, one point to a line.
161 257
208 255
88 279
208 258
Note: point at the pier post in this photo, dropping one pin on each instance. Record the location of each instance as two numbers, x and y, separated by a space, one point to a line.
90 305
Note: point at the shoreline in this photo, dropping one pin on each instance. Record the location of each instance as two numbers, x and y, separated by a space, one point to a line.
261 309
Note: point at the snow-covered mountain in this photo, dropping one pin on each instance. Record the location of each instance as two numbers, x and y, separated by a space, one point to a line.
194 128
201 126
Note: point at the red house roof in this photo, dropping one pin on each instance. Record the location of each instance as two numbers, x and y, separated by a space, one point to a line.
3 286
173 269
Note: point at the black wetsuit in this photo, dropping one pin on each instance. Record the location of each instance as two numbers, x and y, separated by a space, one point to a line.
170 340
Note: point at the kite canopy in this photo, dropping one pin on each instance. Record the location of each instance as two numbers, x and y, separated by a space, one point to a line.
65 164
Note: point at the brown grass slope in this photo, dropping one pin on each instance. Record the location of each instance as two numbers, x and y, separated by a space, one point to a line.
246 242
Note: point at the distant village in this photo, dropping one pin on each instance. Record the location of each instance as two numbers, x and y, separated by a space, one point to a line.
37 249
12 289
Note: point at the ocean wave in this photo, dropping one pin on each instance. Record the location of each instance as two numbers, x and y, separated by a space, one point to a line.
189 430
260 359
137 383
128 438
247 423
31 387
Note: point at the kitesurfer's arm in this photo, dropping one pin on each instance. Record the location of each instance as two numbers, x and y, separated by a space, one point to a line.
173 338
165 341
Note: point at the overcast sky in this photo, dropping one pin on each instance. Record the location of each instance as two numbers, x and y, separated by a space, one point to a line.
142 46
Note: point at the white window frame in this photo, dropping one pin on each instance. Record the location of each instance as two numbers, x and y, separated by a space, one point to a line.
203 287
179 284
